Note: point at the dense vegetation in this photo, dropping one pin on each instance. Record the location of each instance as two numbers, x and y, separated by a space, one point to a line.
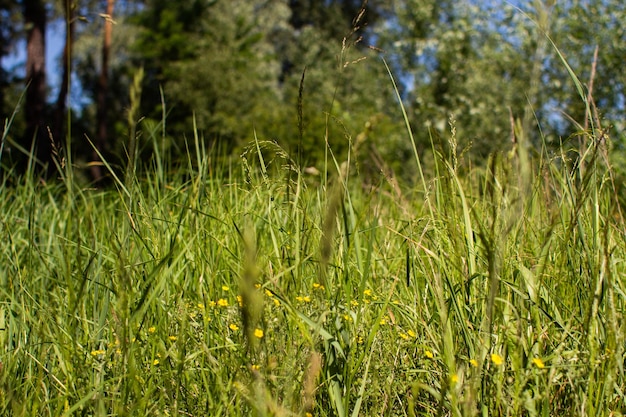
398 246
256 289
239 67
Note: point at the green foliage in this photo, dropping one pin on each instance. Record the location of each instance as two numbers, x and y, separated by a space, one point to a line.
493 292
239 66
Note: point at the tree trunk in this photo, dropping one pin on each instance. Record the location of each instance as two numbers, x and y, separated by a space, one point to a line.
58 130
103 87
35 134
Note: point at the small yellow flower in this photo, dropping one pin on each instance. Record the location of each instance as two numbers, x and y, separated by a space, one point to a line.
404 336
240 301
307 414
474 363
539 363
318 286
225 288
155 362
258 333
497 359
97 352
367 292
354 303
429 354
172 338
233 327
303 299
269 293
454 378
200 306
255 367
151 329
411 333
276 302
257 286
383 321
222 302
212 303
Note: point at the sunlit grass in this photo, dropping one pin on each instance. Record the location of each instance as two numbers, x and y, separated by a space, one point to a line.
246 288
118 306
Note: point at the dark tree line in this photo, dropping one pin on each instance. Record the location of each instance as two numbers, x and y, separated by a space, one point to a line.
235 68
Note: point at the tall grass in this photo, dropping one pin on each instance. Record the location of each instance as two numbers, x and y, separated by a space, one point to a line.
251 289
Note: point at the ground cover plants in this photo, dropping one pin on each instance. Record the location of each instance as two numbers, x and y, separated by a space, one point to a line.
250 288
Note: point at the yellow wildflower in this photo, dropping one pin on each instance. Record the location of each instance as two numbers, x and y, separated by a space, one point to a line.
258 333
225 288
497 359
411 333
539 363
97 352
233 327
222 302
474 363
151 329
454 378
429 354
155 362
172 338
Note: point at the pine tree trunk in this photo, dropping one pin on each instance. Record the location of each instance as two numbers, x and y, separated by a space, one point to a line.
58 130
103 87
35 23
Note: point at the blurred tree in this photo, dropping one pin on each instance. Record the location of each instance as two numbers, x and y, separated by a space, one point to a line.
228 80
485 63
59 120
9 28
102 135
103 65
236 67
35 134
579 27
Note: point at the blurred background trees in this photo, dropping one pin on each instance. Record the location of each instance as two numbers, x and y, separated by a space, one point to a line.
234 69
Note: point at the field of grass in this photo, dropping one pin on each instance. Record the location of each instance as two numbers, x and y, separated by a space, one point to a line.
250 289
498 291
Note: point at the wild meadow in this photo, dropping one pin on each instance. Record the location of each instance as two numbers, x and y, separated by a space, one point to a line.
245 286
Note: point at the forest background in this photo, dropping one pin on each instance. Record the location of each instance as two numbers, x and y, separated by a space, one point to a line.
305 74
